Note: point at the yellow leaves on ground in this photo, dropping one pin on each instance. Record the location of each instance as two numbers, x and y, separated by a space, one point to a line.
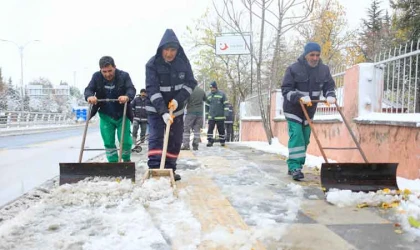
362 205
407 192
413 222
386 190
403 195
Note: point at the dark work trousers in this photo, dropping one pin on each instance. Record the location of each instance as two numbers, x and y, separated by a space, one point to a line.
194 123
143 127
229 131
220 128
156 134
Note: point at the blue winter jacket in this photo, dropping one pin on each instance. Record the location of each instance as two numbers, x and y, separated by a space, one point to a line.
302 80
124 87
168 80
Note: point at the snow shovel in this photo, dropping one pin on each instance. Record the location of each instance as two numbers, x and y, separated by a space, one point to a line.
74 172
356 177
162 171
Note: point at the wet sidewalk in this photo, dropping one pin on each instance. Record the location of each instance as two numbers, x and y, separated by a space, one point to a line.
248 193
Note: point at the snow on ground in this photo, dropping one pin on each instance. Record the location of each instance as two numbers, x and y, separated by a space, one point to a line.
276 147
415 118
112 214
104 214
265 203
405 205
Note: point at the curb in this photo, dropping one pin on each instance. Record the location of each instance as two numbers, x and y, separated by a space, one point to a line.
26 131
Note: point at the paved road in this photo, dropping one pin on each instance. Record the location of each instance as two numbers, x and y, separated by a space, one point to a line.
21 141
29 160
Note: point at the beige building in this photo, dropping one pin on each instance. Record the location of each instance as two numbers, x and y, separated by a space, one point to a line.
39 90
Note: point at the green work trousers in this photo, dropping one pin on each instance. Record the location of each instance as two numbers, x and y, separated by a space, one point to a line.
108 126
298 143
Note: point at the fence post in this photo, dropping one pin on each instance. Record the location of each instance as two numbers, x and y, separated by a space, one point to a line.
9 120
28 119
18 118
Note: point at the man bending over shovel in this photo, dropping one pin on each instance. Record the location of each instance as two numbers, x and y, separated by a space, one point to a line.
112 83
169 83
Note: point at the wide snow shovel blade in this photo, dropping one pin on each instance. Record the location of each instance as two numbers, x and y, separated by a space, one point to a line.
74 172
162 171
356 177
353 176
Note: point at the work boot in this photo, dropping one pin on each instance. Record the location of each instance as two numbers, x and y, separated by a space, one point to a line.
195 147
297 174
177 177
209 144
222 144
184 147
126 160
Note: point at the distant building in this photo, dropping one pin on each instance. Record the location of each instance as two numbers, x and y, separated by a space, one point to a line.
39 90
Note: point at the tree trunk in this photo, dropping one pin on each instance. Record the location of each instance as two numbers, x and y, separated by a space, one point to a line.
264 113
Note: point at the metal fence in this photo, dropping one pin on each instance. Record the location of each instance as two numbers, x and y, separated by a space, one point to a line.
401 84
18 119
338 76
252 107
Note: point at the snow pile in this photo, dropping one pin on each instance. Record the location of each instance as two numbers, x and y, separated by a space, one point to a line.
346 198
104 214
405 203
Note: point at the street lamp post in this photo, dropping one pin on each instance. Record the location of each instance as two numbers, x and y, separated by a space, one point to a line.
21 48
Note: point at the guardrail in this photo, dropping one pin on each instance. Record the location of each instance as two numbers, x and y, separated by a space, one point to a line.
20 119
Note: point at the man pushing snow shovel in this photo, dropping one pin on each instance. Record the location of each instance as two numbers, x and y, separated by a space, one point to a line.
169 83
304 81
112 83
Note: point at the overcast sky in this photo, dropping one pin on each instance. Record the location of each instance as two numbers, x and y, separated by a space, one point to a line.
75 34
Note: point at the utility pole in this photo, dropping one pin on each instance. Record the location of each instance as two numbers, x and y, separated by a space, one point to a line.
21 48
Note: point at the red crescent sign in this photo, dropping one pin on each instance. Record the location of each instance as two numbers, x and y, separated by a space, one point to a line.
223 46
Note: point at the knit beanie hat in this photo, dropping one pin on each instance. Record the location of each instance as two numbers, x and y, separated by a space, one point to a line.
213 85
311 46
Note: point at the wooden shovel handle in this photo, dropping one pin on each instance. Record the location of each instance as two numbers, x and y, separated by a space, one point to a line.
165 142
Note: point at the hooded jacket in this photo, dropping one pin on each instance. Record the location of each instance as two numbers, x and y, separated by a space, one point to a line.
124 87
168 80
302 80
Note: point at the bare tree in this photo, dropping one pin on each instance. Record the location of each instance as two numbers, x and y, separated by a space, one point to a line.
230 71
284 20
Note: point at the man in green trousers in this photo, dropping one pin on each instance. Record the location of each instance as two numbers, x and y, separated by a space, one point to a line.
112 83
304 81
